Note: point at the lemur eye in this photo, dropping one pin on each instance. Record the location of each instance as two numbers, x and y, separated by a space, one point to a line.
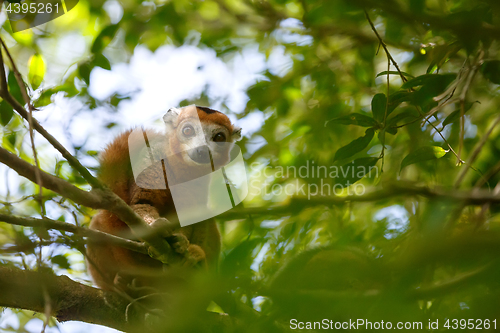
220 137
188 131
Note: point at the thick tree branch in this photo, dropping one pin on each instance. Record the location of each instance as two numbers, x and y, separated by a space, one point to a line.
92 235
476 197
70 300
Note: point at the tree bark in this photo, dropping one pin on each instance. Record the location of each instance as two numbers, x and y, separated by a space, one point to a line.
69 300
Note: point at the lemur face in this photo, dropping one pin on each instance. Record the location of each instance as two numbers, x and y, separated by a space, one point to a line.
202 136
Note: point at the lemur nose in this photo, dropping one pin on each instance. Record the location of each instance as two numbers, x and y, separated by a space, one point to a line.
200 155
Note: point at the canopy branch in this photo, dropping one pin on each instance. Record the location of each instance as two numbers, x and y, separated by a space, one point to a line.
92 235
70 300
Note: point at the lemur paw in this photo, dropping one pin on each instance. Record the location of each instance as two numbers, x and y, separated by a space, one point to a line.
163 226
179 243
195 256
120 281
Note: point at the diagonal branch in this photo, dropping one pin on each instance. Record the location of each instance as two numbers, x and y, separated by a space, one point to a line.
107 199
27 101
4 93
91 235
49 181
97 199
388 54
476 151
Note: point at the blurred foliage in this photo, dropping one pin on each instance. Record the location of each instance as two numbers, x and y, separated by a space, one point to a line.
336 104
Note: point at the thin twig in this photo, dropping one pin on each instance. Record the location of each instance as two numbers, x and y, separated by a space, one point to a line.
389 60
10 203
476 152
17 75
5 94
27 100
437 108
440 134
463 95
48 307
385 48
404 80
483 180
408 123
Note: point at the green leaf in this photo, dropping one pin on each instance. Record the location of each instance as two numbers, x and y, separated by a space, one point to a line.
379 103
395 99
264 94
104 38
391 130
354 119
45 97
239 256
84 70
60 261
14 89
36 71
440 54
9 141
355 146
491 71
423 154
399 97
393 121
381 136
101 61
394 73
452 117
6 113
350 173
427 79
455 115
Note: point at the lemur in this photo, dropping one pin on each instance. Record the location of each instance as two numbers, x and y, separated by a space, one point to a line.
188 159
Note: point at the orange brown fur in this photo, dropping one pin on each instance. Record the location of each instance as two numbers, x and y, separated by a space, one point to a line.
107 261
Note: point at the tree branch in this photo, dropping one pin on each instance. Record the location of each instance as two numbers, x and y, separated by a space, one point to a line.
70 300
4 93
97 199
106 198
388 54
49 181
441 22
92 235
476 197
476 151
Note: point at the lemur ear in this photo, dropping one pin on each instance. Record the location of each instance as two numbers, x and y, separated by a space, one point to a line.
236 133
170 118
